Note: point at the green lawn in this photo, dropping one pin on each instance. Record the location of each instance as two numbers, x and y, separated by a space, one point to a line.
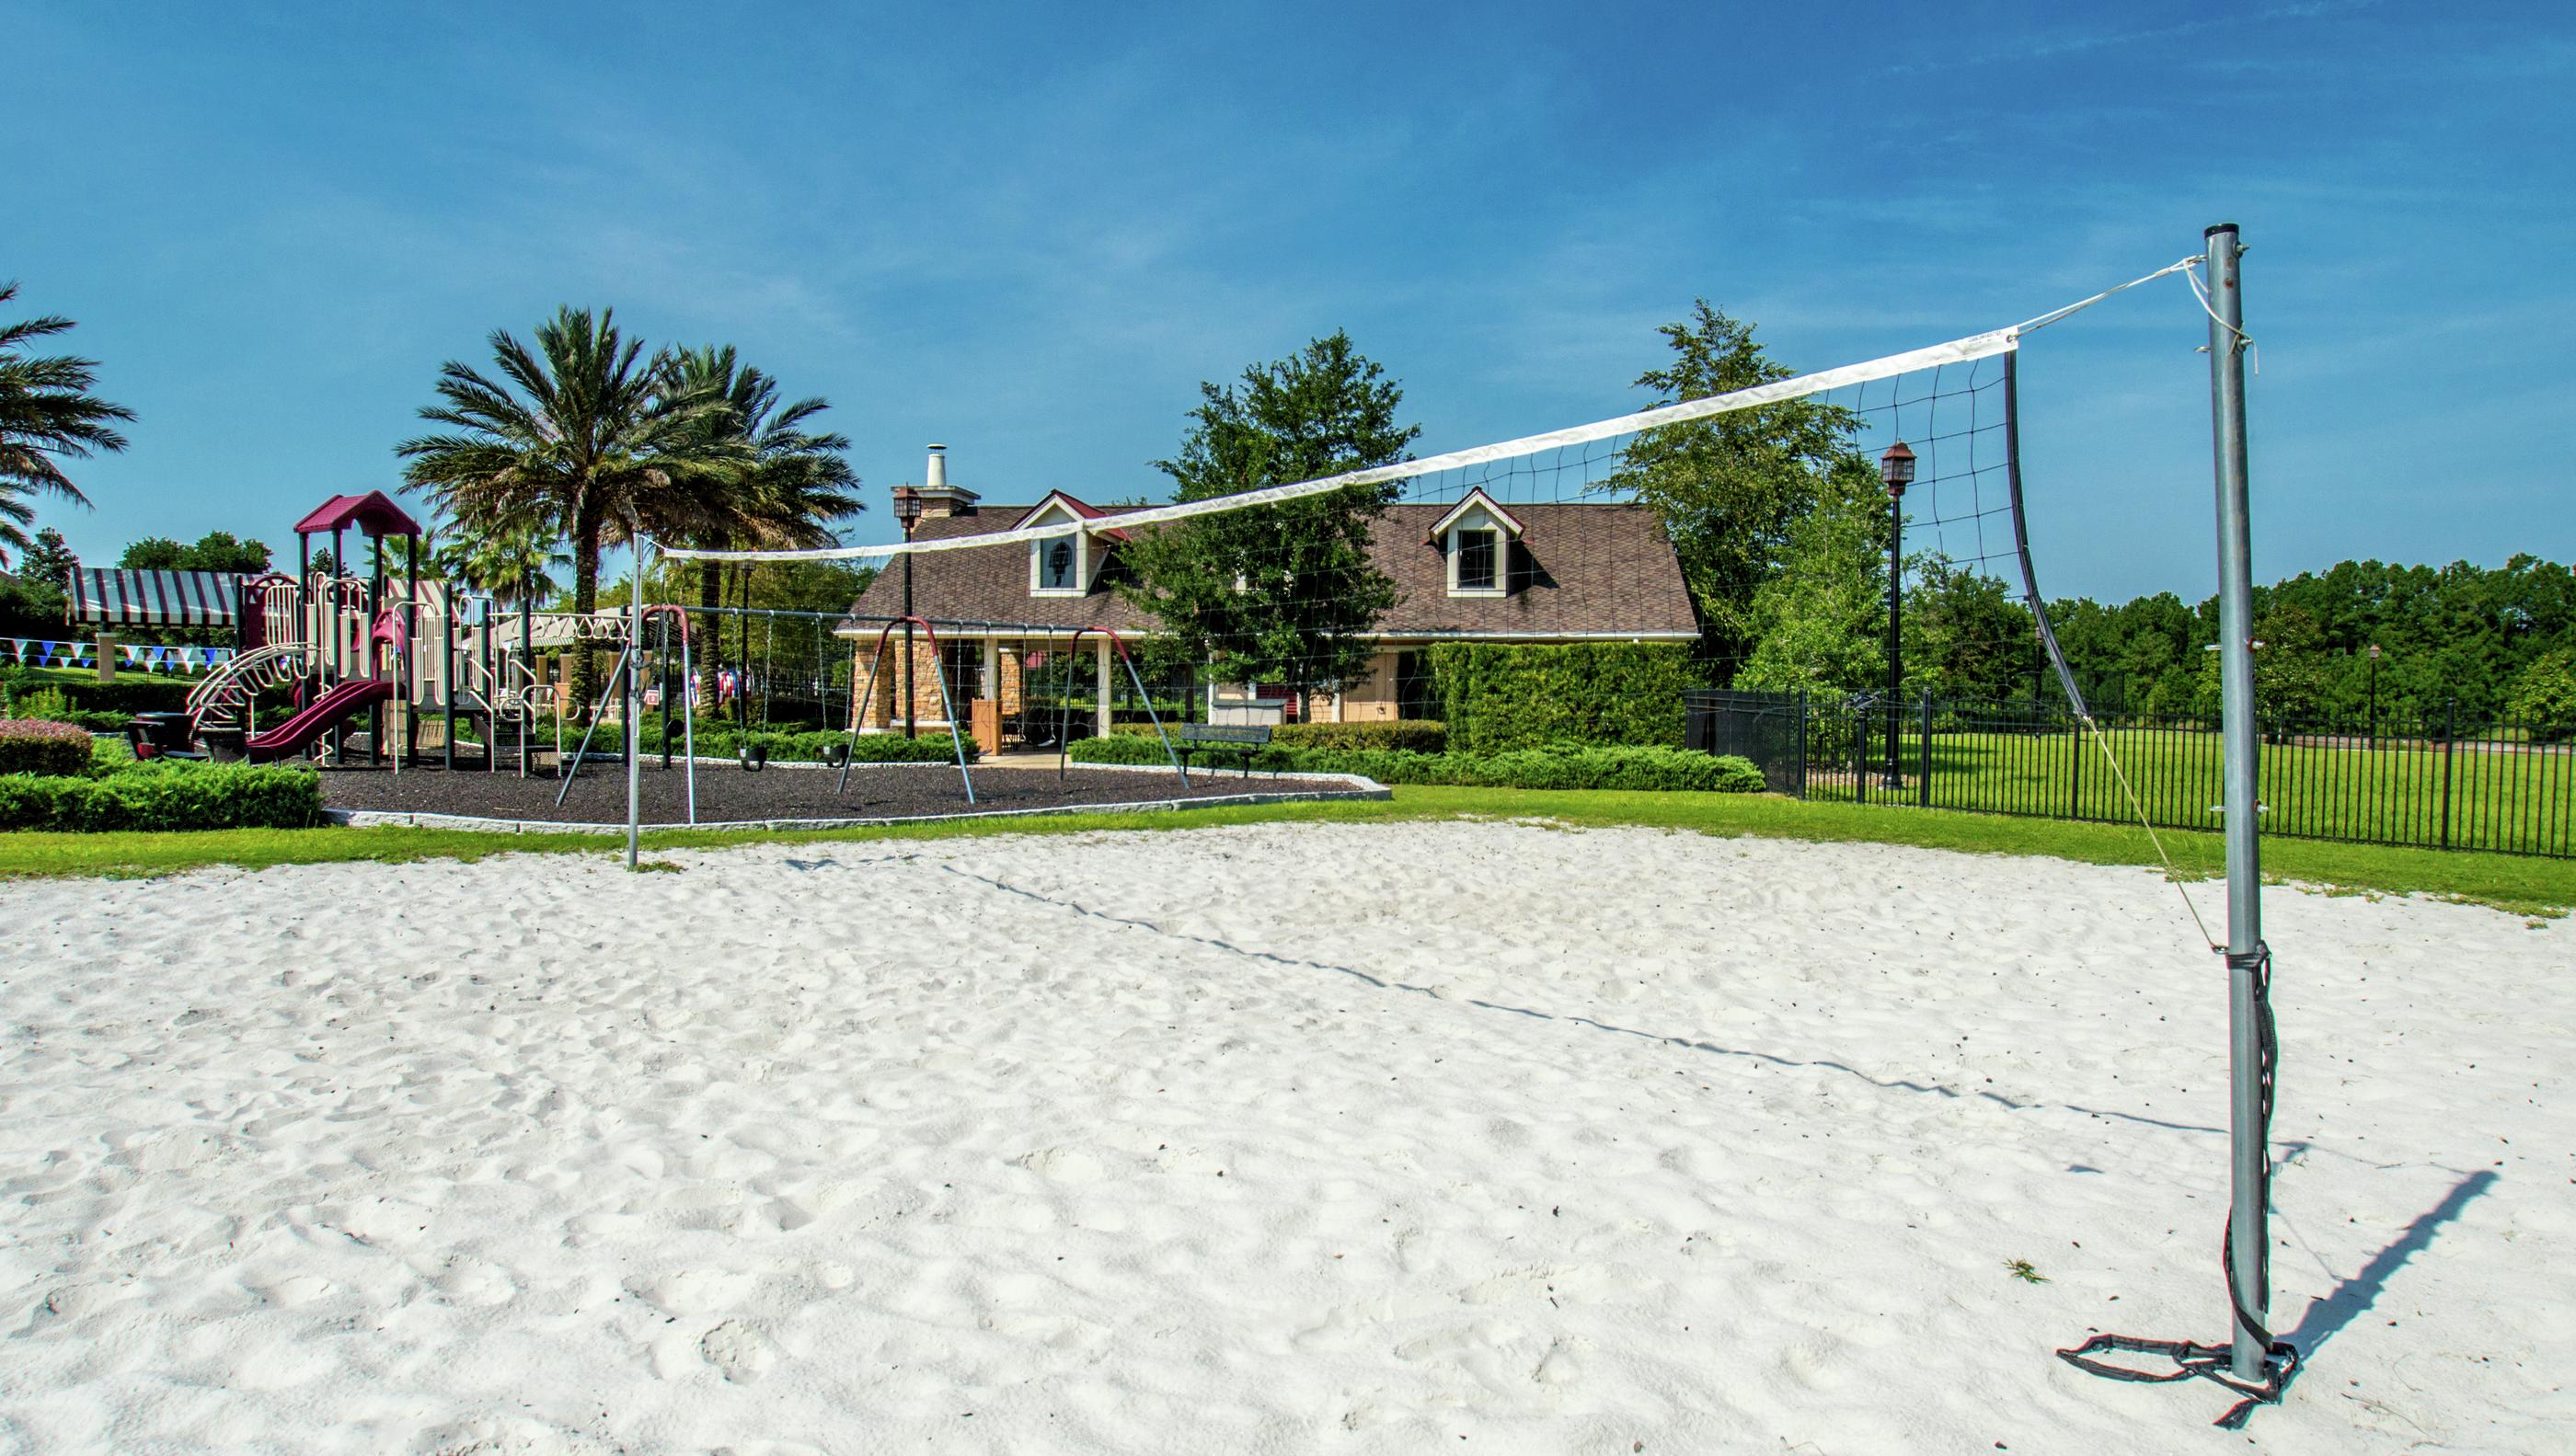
2521 884
2515 798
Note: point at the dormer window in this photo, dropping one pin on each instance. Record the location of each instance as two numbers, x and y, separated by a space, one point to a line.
1476 536
1063 566
1060 566
1055 565
1476 550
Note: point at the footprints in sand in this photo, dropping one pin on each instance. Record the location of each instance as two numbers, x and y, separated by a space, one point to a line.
695 1291
291 1290
1498 1343
744 1354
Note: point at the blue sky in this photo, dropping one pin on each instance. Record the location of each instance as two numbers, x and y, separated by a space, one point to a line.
1029 232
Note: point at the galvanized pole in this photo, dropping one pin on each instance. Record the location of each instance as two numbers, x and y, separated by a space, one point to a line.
2249 1202
633 700
528 668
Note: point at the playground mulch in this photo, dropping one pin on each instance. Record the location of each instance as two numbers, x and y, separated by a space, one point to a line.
729 794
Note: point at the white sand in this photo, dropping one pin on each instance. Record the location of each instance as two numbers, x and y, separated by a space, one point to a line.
1365 1138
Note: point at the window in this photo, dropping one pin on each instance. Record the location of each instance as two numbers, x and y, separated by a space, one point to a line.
961 661
1056 567
1476 555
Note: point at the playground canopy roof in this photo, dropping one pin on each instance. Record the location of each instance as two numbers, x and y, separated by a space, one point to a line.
373 513
102 595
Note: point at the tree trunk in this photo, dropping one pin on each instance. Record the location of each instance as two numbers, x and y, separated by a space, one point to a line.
586 523
708 641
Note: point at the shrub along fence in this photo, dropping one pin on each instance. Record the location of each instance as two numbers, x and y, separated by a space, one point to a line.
2437 781
1495 698
806 746
129 694
1556 767
1411 735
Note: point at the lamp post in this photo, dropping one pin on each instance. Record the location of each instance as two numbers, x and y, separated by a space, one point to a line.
2374 695
1896 470
907 509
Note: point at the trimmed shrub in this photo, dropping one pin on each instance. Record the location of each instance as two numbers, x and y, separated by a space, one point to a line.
129 694
1412 735
1653 769
28 746
164 795
799 747
50 705
1496 697
1409 735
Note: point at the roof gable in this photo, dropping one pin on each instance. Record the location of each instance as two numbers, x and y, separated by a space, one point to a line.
373 513
1057 500
1476 498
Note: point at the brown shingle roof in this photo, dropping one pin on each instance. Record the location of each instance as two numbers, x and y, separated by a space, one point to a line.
1589 568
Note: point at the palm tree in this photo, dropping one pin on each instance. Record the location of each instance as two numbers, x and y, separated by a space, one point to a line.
591 434
515 565
792 483
46 413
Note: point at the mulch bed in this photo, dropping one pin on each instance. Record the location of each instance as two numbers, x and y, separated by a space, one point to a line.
728 793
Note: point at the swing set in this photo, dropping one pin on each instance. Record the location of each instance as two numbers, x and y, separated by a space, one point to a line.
626 680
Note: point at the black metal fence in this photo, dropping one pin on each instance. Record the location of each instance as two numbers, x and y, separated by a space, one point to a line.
2438 781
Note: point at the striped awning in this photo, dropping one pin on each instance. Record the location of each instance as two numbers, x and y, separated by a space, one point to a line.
103 596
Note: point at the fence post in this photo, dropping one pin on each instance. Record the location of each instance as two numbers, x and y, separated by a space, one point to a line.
2450 740
1802 744
2075 777
1860 726
1923 759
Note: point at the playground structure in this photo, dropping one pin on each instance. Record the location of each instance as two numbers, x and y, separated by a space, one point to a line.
385 653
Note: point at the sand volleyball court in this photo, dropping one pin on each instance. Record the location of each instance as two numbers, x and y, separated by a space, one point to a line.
1287 1138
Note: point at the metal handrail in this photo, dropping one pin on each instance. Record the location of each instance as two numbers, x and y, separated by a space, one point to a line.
242 677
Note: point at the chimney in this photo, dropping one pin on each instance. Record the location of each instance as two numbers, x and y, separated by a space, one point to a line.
938 497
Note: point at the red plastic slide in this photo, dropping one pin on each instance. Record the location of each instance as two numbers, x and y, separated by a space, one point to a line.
330 710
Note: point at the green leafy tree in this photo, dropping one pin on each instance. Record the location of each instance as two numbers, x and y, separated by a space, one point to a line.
1818 623
2290 670
1965 635
214 551
47 416
2544 696
578 436
1285 593
152 553
32 601
1732 490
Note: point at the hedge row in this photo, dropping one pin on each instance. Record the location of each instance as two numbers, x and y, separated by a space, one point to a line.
1567 767
1497 697
129 694
28 746
933 746
1411 735
163 796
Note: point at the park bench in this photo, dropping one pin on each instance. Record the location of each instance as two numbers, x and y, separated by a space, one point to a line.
1246 738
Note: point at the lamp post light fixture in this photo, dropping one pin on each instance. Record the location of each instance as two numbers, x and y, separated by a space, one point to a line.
1896 471
2374 695
907 510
